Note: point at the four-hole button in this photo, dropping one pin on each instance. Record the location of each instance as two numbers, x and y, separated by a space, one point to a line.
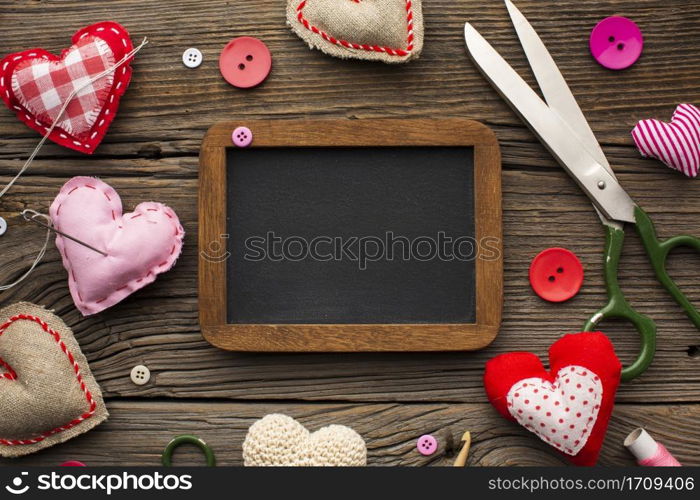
427 445
242 137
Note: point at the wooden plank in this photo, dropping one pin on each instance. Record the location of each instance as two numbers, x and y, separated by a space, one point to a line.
151 152
168 107
137 432
542 207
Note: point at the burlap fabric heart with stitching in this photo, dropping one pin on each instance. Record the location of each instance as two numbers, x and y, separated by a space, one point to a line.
390 31
47 393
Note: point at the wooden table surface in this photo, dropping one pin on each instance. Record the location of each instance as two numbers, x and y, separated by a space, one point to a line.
151 152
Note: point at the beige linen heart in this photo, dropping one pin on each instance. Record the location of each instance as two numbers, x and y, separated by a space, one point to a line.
47 392
390 31
280 441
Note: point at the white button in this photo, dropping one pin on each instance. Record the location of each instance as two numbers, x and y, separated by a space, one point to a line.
140 375
192 57
3 226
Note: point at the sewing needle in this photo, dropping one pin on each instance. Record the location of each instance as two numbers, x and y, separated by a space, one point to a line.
33 219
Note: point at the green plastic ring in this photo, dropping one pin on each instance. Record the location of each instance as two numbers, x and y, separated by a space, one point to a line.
188 439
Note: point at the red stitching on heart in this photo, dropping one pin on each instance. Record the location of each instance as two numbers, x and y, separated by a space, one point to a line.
9 373
76 368
351 45
162 264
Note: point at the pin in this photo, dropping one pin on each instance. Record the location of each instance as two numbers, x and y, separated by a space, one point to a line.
31 216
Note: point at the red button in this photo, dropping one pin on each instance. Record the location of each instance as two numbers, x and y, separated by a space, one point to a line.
556 274
245 62
616 42
72 463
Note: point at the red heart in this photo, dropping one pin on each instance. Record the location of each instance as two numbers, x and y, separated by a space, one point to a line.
36 83
677 144
568 407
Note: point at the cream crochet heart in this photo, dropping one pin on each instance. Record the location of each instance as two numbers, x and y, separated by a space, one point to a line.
280 441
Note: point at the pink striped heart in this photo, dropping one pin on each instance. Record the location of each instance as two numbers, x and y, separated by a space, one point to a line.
677 144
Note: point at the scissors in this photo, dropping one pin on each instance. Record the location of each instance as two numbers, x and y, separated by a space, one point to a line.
560 125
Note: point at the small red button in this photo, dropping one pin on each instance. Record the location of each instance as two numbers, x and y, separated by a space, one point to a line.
616 42
72 463
556 274
245 62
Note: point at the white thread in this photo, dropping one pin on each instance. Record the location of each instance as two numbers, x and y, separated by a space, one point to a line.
42 252
38 258
104 73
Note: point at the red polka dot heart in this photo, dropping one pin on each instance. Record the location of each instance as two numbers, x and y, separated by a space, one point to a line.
568 407
562 412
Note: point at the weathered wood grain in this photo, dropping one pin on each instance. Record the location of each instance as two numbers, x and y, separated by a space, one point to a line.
137 432
151 152
158 326
168 107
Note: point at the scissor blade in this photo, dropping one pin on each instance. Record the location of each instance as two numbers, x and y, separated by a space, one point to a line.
553 85
600 186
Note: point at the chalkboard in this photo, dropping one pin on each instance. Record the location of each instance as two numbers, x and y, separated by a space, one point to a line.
352 235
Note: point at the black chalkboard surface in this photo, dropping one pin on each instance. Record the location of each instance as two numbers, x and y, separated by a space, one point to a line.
351 235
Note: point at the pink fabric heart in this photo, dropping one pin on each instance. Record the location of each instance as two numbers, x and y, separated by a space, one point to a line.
677 144
139 245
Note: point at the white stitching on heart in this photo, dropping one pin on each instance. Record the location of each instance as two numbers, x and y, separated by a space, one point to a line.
9 97
561 413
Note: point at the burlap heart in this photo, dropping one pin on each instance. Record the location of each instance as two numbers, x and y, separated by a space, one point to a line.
280 441
380 30
47 392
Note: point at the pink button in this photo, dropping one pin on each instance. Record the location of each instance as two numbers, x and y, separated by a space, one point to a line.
242 137
245 62
72 463
616 42
427 445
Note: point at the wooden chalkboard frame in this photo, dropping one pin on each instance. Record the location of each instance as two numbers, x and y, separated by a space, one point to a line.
351 337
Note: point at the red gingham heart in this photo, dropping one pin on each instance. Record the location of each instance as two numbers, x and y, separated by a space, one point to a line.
35 84
677 144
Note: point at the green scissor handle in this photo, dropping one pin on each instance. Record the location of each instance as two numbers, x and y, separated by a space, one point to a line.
618 307
658 251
